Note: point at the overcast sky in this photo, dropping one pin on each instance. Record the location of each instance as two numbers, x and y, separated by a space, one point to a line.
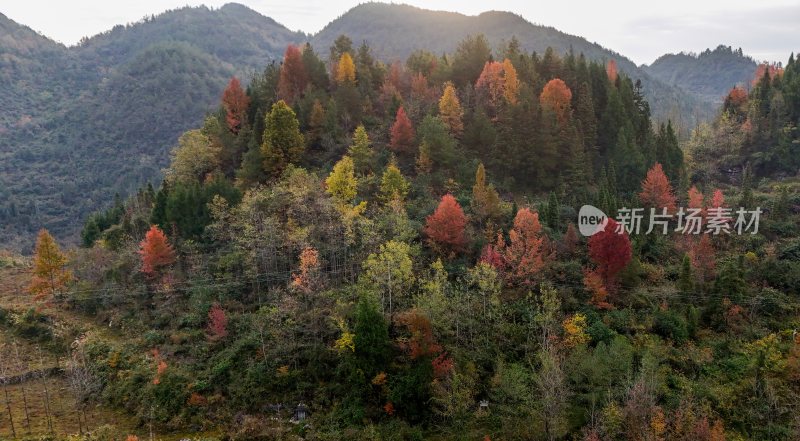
764 29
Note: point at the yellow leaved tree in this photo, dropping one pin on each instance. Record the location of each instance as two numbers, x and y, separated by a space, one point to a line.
50 276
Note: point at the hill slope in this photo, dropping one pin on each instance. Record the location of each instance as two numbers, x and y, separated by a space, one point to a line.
708 75
104 114
394 31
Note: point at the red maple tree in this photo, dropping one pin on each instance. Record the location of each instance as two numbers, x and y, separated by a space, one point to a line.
526 249
656 190
445 227
156 251
402 136
610 251
293 77
235 102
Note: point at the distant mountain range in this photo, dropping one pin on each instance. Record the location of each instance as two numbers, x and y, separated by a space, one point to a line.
708 75
78 124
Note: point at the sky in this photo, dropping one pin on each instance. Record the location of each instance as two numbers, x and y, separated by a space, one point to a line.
767 30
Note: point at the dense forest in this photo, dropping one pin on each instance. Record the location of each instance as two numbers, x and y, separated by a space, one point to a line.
81 123
346 249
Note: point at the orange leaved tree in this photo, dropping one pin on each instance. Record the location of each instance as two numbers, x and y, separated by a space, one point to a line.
156 251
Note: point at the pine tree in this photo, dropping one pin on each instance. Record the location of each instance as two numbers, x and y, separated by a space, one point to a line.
282 141
510 82
685 280
50 276
553 211
360 150
526 250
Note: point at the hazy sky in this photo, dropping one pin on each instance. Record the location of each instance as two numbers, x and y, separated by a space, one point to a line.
764 29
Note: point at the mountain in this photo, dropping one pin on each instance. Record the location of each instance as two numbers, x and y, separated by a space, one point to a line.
708 75
82 122
78 121
394 31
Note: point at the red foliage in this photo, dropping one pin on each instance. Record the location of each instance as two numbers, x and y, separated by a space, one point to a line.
293 78
402 136
491 81
695 198
556 97
656 190
421 342
156 251
773 69
718 199
161 366
611 71
442 365
445 227
736 99
389 408
610 251
235 102
493 257
217 322
703 259
526 249
570 240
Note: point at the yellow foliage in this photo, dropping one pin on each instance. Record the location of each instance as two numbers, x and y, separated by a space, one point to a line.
450 110
49 274
575 330
511 89
346 70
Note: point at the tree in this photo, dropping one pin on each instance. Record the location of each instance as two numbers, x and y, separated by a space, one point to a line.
282 141
491 82
611 71
471 55
293 78
49 273
309 278
193 159
526 250
702 255
235 102
346 70
611 251
360 150
656 190
510 82
556 98
695 198
156 252
445 227
450 110
342 184
390 271
393 185
485 200
402 135
217 322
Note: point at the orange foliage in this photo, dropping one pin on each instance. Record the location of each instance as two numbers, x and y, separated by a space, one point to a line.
491 81
526 249
611 71
389 408
309 277
656 190
402 136
421 342
556 97
161 366
156 251
765 68
702 256
235 102
695 198
718 199
593 282
293 77
445 227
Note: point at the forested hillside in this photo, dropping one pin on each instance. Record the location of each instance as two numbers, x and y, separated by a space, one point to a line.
350 250
77 121
708 75
104 114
